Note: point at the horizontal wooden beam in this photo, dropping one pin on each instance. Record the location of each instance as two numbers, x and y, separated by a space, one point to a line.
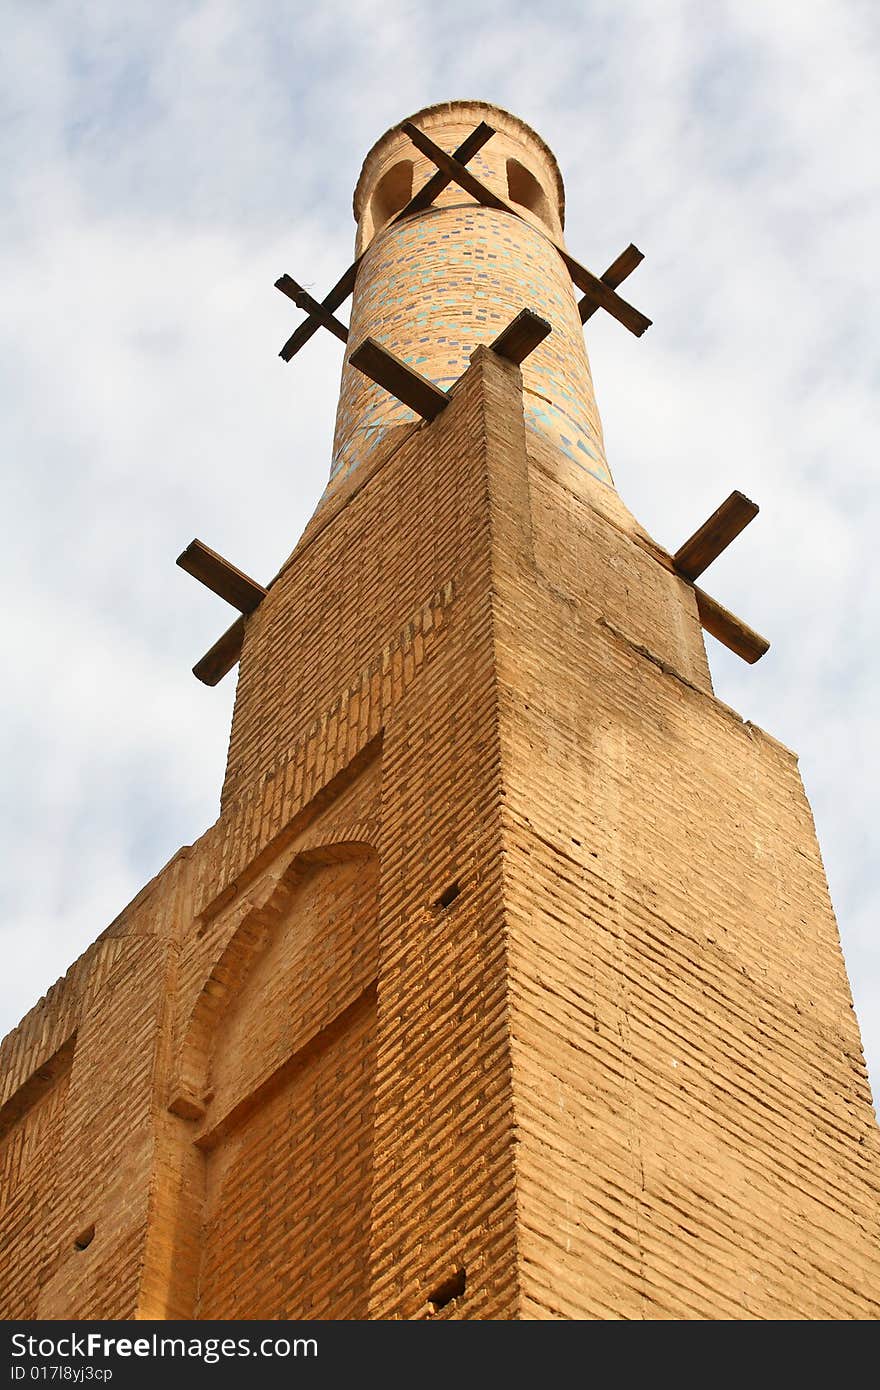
437 182
589 284
222 656
730 630
615 275
221 577
396 377
303 300
715 535
338 295
521 336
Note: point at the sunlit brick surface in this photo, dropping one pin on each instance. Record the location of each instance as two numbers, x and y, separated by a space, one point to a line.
294 1180
431 289
508 967
30 1145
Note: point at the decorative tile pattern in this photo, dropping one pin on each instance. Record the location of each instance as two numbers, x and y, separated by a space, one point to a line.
433 288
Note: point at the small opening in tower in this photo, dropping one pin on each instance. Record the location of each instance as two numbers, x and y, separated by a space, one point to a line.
392 192
451 1288
523 188
85 1238
447 897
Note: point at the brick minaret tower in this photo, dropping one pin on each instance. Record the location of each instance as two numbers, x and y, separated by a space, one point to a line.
506 985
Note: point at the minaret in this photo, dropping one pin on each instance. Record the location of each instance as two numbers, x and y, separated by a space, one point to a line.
506 984
435 285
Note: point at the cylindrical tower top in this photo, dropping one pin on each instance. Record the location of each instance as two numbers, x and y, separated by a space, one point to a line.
437 283
516 163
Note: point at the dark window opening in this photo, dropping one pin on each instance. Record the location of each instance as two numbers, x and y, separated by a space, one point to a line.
451 1288
85 1238
523 188
448 896
392 192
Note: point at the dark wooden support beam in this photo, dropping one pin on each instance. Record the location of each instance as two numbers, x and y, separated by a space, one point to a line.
323 313
303 300
588 283
222 656
715 535
455 170
615 275
436 184
221 577
521 336
603 296
394 376
338 295
730 630
343 287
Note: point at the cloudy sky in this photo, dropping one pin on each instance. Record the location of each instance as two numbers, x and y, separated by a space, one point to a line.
162 163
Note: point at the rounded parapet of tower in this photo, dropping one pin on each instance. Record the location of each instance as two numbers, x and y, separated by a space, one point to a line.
515 163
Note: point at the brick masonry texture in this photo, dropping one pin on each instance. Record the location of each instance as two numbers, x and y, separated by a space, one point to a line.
431 290
510 954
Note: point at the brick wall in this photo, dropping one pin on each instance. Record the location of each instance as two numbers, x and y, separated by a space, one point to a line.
506 983
78 1153
696 1136
31 1137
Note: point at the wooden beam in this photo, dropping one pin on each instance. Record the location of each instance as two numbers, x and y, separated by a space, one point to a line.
455 171
222 656
303 300
730 630
338 295
521 336
394 376
437 182
603 296
615 275
715 535
221 577
343 287
590 284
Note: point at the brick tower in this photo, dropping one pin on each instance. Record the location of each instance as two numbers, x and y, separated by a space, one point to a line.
506 985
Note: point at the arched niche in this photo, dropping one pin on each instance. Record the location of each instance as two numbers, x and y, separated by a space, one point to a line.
392 192
298 952
524 188
280 1064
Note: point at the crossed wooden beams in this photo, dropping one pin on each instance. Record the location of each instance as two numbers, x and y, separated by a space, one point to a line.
520 338
697 554
322 315
688 562
237 588
598 292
